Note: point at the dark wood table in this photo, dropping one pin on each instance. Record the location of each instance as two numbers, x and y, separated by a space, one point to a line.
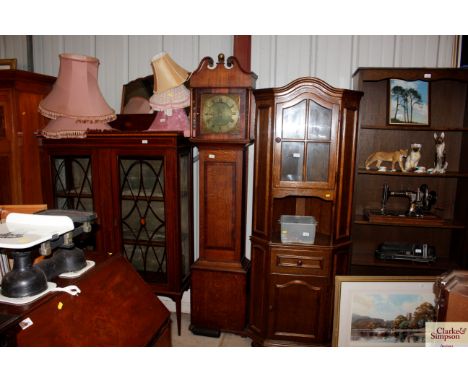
115 308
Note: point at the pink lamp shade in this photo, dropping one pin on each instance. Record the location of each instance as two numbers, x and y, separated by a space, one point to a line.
167 73
76 92
178 121
174 98
71 128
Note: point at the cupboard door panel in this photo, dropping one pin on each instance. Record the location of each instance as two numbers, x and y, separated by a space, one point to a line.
298 308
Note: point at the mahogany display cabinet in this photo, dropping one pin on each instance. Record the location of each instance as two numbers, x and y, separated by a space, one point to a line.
305 136
140 185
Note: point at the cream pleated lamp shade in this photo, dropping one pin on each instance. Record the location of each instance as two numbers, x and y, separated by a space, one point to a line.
167 73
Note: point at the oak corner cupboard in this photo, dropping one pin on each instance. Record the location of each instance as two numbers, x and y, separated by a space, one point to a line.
140 185
305 136
445 230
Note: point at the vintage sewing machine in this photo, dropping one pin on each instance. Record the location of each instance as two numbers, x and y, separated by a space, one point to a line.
50 230
418 210
420 201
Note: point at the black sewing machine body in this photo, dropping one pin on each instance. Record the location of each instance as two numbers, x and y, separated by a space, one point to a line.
419 202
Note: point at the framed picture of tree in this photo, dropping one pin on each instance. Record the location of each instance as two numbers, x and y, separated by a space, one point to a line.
408 102
383 310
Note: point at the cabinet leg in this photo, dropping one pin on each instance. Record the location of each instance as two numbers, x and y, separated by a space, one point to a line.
178 314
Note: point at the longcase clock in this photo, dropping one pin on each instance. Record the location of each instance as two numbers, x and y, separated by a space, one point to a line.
221 96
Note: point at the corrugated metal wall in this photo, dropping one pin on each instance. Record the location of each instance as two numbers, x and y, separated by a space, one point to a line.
277 60
124 58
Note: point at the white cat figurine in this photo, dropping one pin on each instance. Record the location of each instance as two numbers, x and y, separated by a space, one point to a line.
413 157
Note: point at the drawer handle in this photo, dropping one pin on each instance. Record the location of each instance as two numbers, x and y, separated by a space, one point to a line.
299 263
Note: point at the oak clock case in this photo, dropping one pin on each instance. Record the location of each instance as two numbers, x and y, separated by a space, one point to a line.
221 96
305 142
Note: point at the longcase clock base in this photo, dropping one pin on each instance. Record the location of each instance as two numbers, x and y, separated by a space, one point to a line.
220 293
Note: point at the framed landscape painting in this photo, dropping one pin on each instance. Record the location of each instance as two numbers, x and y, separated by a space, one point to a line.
383 310
408 102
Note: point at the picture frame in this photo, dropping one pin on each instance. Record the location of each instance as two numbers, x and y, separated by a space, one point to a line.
382 311
7 63
408 102
139 89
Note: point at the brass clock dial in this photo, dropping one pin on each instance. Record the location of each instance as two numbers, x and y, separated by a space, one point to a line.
220 113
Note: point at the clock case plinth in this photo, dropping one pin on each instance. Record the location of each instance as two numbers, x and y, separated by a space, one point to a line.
220 275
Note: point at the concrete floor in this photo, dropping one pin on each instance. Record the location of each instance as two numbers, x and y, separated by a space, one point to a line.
188 339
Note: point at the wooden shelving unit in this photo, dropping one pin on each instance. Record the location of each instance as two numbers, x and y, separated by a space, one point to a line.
448 110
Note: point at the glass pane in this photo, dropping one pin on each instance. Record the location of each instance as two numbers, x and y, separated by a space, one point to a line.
142 177
143 216
73 190
150 261
320 120
73 183
292 159
184 213
294 118
318 158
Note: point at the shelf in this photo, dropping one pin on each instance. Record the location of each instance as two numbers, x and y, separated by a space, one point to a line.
447 224
415 128
144 243
448 174
73 194
361 259
141 197
320 240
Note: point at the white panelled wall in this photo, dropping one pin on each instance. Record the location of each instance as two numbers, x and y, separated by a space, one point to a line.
277 60
125 58
280 59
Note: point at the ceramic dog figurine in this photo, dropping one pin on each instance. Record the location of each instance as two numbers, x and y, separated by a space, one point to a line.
413 158
387 156
440 162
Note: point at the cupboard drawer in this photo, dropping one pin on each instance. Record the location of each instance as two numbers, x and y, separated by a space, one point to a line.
300 262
